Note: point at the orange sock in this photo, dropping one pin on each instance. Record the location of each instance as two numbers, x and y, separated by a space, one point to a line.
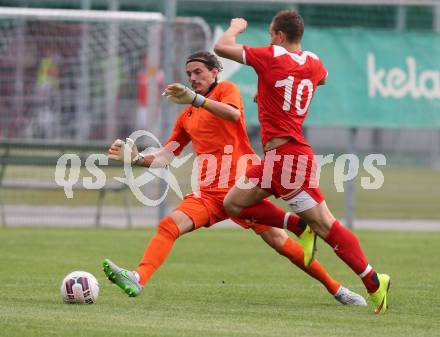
294 252
158 249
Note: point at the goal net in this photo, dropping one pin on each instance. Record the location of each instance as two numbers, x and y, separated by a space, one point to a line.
79 78
85 75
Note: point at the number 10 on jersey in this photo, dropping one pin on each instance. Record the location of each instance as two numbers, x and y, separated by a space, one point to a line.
288 84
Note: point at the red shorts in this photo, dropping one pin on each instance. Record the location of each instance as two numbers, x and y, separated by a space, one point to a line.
208 210
289 172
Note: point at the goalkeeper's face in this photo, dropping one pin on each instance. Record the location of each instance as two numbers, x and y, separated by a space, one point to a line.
200 77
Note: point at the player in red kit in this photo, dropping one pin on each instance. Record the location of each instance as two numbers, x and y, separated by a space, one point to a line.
287 80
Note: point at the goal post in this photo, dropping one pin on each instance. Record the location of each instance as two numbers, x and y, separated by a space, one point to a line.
79 15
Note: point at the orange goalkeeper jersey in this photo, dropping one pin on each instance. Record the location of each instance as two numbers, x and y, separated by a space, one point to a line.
219 143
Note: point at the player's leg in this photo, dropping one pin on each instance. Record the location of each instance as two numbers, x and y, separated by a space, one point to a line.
190 214
285 246
160 246
250 204
158 249
239 199
308 202
346 246
246 200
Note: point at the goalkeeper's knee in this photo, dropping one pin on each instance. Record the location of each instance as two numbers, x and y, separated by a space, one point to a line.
168 228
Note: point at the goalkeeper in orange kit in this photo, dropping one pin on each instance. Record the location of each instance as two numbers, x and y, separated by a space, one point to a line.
214 122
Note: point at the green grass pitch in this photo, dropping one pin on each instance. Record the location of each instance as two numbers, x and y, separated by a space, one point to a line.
216 282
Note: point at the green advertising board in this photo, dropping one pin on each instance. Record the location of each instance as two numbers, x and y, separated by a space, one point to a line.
378 79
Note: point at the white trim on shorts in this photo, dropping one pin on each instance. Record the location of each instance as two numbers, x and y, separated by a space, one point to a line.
301 202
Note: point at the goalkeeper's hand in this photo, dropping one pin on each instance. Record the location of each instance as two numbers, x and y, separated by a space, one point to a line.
180 94
117 149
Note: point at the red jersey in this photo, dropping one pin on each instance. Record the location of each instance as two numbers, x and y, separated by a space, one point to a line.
286 85
219 143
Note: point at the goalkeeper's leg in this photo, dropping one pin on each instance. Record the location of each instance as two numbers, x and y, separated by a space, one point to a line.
190 214
155 254
160 246
284 245
265 212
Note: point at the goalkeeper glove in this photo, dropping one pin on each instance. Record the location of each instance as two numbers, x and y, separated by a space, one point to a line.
180 94
118 148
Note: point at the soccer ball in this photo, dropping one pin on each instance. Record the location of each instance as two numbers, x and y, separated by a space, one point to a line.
79 287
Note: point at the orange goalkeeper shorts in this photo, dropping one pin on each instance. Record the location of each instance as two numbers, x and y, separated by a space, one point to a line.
208 209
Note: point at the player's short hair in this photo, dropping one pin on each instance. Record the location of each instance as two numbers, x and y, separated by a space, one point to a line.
290 23
210 60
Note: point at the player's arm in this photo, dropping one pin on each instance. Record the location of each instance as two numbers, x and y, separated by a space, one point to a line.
180 94
226 46
128 152
222 110
162 157
321 72
323 80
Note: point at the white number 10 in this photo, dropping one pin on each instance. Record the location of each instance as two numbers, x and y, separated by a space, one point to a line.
288 83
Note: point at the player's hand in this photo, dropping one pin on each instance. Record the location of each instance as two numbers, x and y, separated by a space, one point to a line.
181 94
239 25
117 149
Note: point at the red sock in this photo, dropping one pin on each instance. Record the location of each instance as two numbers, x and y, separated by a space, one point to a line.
295 224
346 246
294 252
268 214
158 249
